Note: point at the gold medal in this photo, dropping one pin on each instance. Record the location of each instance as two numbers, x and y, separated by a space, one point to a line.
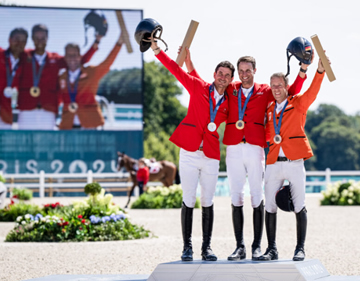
35 91
73 107
240 124
211 127
277 139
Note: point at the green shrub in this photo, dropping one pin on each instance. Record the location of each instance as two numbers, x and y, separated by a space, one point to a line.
22 193
95 218
92 188
343 194
11 212
161 198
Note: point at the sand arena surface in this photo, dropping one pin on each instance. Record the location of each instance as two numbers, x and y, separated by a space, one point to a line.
332 237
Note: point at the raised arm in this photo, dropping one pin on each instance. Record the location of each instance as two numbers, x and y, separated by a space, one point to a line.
187 80
309 96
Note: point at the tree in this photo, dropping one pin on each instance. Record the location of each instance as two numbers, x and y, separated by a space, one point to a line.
162 110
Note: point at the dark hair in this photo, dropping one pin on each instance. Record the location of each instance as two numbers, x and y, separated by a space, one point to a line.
39 27
72 45
19 30
247 59
226 64
280 75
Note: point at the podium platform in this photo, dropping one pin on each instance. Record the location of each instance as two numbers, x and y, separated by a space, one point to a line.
245 270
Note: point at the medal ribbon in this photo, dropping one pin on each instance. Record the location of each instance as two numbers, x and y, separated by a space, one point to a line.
73 92
242 110
9 74
37 76
278 126
213 112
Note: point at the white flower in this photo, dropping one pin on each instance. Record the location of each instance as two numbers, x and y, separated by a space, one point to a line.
351 194
19 218
23 222
350 201
27 216
351 188
43 219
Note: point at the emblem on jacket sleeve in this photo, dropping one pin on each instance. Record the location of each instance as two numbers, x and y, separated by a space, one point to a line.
235 93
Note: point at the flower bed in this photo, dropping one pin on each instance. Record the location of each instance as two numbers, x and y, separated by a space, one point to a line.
161 198
95 218
340 193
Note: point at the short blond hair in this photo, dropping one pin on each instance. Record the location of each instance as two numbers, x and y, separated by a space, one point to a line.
280 75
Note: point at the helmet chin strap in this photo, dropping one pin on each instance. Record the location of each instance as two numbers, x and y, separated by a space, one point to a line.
153 37
288 65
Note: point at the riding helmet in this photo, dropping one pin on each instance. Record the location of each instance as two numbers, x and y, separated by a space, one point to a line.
283 199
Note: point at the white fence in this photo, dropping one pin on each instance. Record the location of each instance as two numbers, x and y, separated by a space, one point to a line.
120 181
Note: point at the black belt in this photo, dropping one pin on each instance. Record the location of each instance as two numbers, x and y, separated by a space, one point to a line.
282 159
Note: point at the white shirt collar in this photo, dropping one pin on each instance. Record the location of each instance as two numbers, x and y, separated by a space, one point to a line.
246 92
73 75
280 106
13 61
217 96
40 58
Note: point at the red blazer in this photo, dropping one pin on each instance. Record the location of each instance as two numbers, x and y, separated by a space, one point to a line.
254 130
5 103
294 141
49 86
193 128
143 175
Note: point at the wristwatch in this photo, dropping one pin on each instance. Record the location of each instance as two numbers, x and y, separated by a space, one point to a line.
303 70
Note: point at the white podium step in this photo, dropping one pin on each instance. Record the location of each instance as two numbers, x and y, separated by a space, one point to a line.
245 270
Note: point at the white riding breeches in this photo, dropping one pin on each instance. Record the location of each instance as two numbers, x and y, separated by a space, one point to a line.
276 174
241 160
36 119
195 167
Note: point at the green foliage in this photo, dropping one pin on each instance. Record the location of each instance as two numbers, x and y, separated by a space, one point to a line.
92 188
160 147
335 139
22 193
339 193
75 228
2 179
124 85
11 212
98 204
161 198
162 110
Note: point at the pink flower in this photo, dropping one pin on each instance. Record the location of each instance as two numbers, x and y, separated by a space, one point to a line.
80 216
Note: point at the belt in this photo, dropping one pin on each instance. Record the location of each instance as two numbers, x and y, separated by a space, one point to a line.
282 159
200 148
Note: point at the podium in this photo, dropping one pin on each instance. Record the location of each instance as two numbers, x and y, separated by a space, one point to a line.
245 270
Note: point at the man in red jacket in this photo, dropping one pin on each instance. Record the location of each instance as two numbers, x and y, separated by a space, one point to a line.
245 139
38 92
198 139
9 73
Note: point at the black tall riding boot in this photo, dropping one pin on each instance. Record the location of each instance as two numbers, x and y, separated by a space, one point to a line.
301 225
207 226
258 223
238 223
270 224
186 225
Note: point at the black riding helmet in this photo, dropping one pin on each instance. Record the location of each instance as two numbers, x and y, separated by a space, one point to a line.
302 49
146 31
97 21
283 199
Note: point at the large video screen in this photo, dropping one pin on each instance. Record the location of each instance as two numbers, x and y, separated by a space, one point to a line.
71 89
65 69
